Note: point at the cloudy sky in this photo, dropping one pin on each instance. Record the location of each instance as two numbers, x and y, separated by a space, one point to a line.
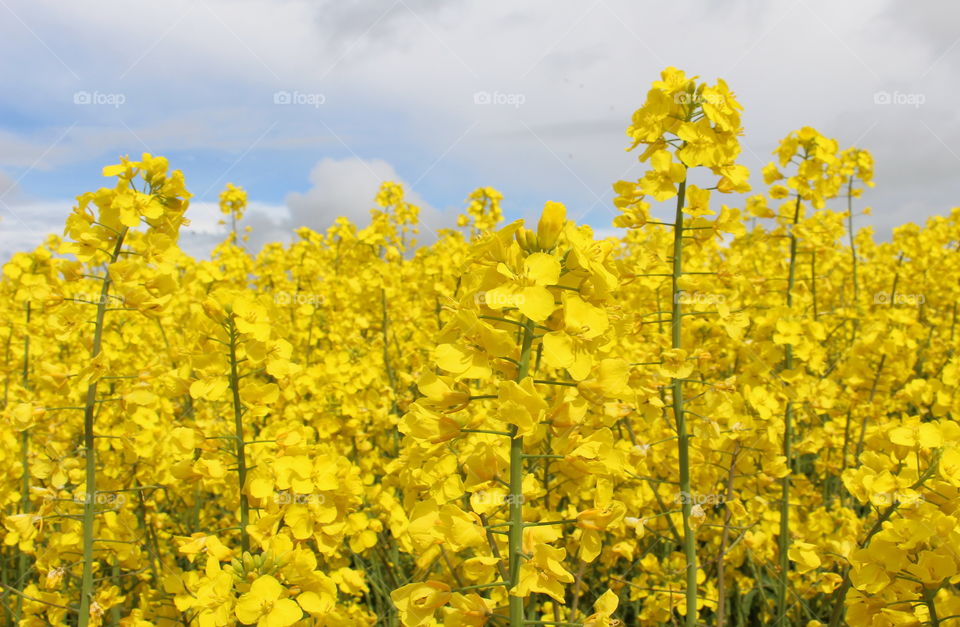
310 104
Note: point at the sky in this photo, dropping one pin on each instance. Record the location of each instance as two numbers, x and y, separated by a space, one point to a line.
311 105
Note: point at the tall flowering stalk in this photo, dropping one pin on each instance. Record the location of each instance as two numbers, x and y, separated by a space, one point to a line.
814 156
525 293
855 164
233 202
697 125
98 230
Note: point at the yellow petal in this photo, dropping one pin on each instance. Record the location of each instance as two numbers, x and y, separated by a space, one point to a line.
542 269
285 612
536 303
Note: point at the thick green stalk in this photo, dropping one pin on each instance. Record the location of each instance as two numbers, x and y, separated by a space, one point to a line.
90 500
783 541
238 434
515 539
115 615
683 438
928 600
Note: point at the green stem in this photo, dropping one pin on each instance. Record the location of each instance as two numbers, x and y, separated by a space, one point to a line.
813 283
928 599
384 330
490 431
391 377
240 443
115 576
481 586
783 540
846 441
22 561
724 541
853 243
873 393
515 539
89 506
683 438
544 523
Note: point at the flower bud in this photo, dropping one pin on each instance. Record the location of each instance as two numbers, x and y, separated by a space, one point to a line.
527 240
214 310
551 224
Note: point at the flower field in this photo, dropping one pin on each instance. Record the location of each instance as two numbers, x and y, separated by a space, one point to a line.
725 416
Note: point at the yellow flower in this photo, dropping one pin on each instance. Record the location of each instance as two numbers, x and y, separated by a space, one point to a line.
661 181
469 610
603 609
527 289
264 607
571 348
594 520
543 573
418 601
425 424
25 415
805 556
698 202
521 405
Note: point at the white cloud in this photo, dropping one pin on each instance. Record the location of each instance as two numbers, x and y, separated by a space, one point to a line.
399 81
25 225
269 223
348 187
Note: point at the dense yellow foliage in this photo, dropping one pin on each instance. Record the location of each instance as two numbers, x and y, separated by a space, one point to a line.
736 417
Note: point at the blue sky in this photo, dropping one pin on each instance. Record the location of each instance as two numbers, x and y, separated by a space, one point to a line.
310 104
